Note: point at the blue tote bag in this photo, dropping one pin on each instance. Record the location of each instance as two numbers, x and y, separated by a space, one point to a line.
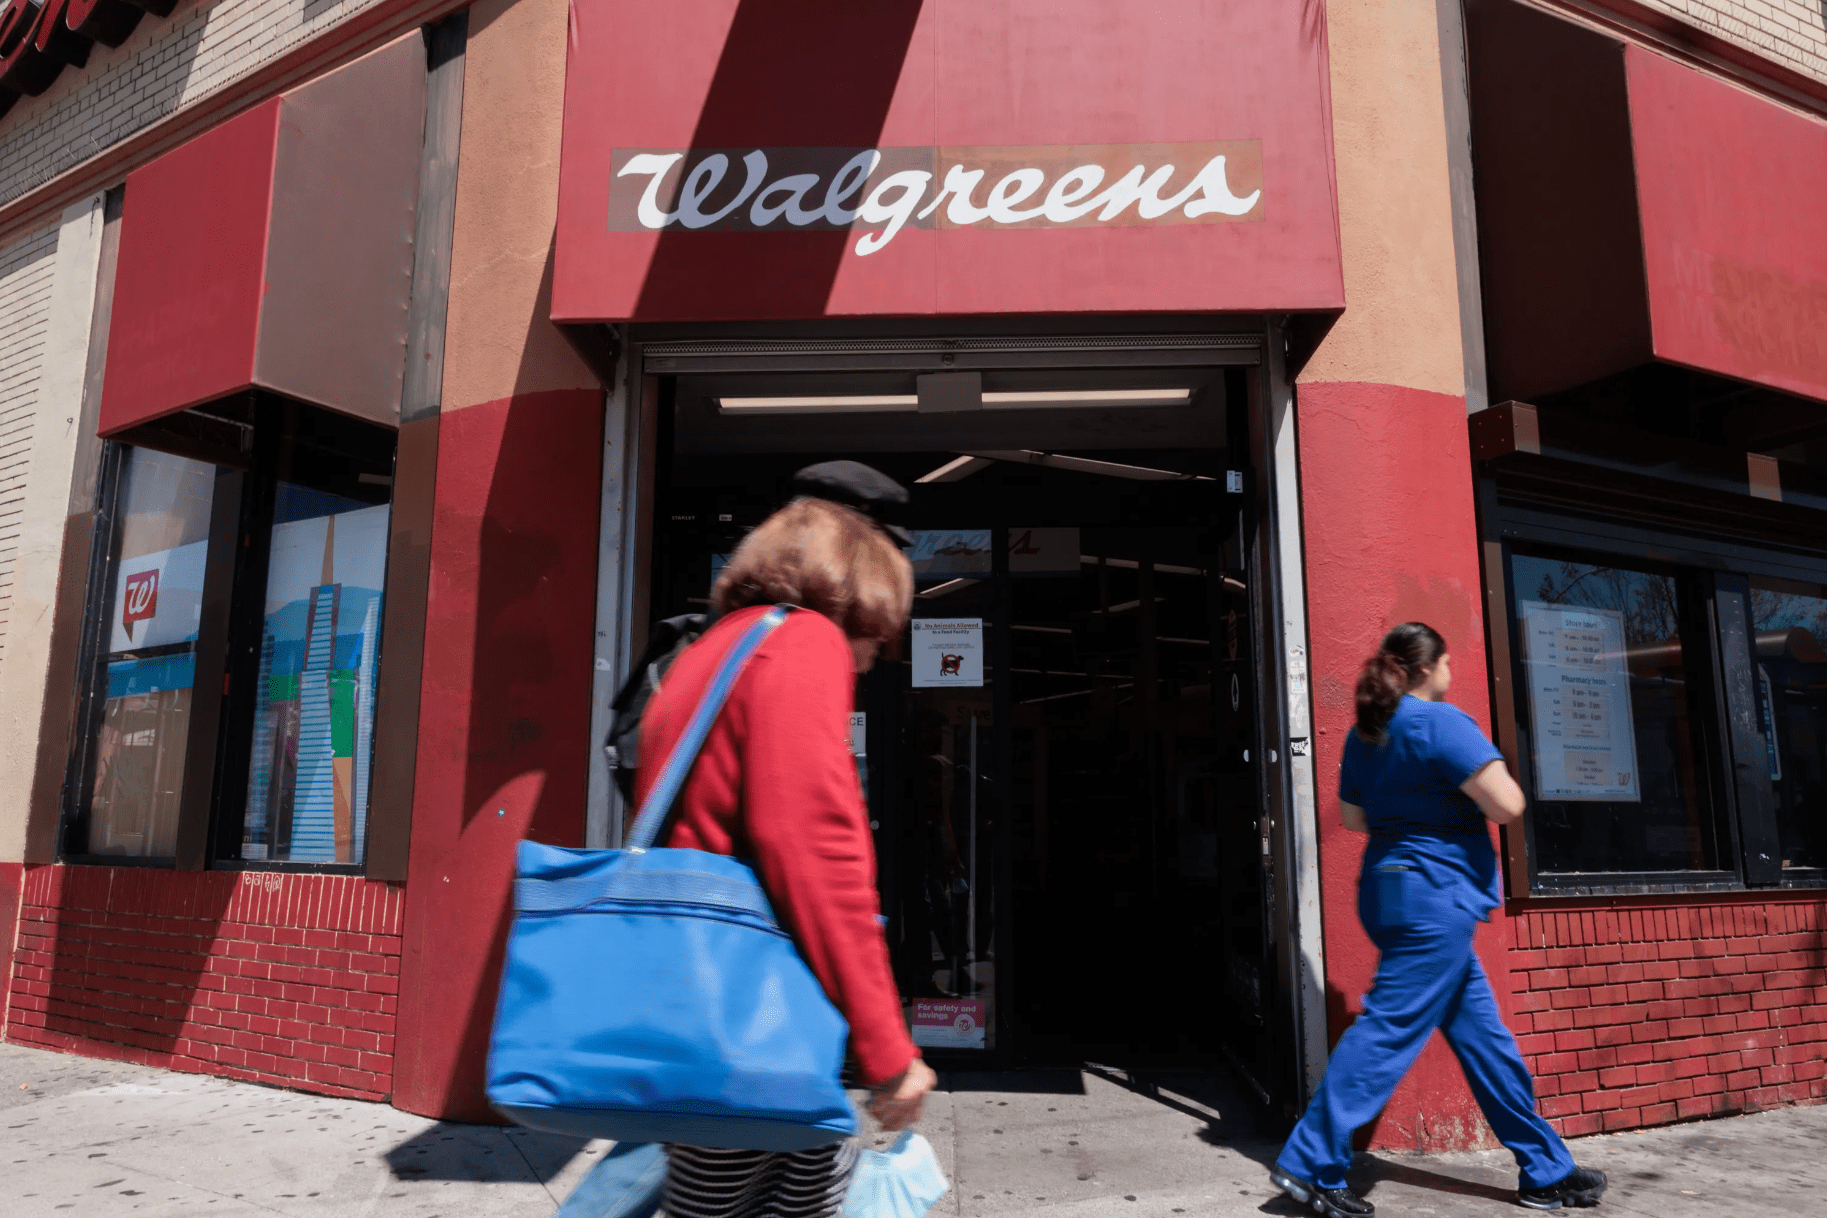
651 996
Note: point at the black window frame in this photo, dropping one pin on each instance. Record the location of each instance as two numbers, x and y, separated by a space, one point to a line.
246 438
1716 566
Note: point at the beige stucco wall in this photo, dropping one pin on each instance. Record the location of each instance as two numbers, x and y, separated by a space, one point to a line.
498 342
1401 319
43 506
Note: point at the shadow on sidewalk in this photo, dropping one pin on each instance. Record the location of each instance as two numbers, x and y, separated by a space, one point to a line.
1369 1172
482 1154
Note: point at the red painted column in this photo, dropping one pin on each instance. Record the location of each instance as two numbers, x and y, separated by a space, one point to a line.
1387 506
504 714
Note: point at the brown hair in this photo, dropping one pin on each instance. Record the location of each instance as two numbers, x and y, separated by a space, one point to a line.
825 557
1393 671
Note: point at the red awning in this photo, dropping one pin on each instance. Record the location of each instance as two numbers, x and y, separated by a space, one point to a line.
1633 210
275 251
725 159
1732 192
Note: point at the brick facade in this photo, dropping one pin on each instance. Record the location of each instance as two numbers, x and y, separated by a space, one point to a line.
279 978
1635 1015
1792 33
166 64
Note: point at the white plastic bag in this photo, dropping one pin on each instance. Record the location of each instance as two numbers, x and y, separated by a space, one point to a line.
903 1181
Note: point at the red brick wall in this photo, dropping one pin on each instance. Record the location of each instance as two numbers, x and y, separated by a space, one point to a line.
1640 1014
281 978
12 877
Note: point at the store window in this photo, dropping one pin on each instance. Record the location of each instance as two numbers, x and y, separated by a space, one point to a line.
307 795
146 671
267 567
1789 622
1670 713
1609 721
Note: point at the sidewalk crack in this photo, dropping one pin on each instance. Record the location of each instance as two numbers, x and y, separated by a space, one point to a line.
531 1171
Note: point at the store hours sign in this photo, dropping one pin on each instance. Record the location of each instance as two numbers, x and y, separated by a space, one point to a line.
1579 703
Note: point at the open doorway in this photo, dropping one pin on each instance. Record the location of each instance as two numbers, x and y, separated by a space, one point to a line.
1058 759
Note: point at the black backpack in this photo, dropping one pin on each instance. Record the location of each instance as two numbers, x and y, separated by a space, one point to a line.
623 743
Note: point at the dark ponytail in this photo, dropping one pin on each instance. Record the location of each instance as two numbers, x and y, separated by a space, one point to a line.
1391 672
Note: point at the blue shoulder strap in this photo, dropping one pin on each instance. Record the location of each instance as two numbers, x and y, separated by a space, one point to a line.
678 765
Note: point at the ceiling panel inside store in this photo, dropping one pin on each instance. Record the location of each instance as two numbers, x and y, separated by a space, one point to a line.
701 426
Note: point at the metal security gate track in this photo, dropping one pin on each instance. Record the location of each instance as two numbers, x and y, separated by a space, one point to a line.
1034 351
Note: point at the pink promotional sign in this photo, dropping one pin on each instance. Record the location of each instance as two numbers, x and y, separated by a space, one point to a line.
948 1023
808 158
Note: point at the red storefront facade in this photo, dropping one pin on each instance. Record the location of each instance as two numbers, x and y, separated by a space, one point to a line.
539 308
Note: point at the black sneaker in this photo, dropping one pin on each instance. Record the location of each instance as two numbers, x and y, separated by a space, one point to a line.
1327 1202
1583 1186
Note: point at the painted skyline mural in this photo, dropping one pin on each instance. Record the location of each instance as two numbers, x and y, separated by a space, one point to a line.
307 797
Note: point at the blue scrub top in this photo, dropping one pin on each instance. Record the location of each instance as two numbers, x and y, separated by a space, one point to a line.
1419 818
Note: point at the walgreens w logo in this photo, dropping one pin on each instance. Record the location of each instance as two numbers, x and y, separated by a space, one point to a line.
139 599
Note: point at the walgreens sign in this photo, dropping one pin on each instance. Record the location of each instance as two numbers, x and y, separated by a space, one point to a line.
731 161
885 190
38 38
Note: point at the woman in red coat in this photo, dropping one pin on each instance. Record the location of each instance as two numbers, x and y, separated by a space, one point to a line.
775 783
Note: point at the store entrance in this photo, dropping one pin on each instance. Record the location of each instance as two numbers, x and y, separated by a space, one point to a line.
1058 756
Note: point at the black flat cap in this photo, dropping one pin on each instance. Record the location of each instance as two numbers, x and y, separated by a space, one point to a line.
856 485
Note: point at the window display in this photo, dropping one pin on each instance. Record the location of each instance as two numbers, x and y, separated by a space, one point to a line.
289 535
307 798
148 665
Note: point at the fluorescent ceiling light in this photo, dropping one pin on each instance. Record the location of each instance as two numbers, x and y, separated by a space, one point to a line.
955 470
1092 560
948 587
1085 465
890 403
1086 397
843 403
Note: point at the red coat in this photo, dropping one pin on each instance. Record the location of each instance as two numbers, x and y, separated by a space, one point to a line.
776 785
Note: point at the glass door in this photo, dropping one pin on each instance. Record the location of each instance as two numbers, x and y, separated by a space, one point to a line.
1056 756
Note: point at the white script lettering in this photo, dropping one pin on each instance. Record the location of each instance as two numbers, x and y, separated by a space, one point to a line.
1066 186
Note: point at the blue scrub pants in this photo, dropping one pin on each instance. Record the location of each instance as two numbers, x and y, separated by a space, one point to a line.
1428 977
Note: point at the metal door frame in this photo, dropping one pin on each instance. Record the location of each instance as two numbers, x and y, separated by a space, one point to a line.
1279 631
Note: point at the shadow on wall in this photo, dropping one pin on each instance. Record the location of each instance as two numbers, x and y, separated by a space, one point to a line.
120 956
527 743
777 86
1341 1013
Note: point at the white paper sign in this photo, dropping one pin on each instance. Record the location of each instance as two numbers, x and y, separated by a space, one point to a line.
1043 551
1579 698
859 733
947 651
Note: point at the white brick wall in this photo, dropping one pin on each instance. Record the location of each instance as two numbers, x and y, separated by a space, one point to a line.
1792 33
165 65
25 300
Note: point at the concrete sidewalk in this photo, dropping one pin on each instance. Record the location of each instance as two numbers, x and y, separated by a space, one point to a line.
98 1138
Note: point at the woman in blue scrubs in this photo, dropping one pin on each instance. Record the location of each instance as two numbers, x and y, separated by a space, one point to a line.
1421 779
